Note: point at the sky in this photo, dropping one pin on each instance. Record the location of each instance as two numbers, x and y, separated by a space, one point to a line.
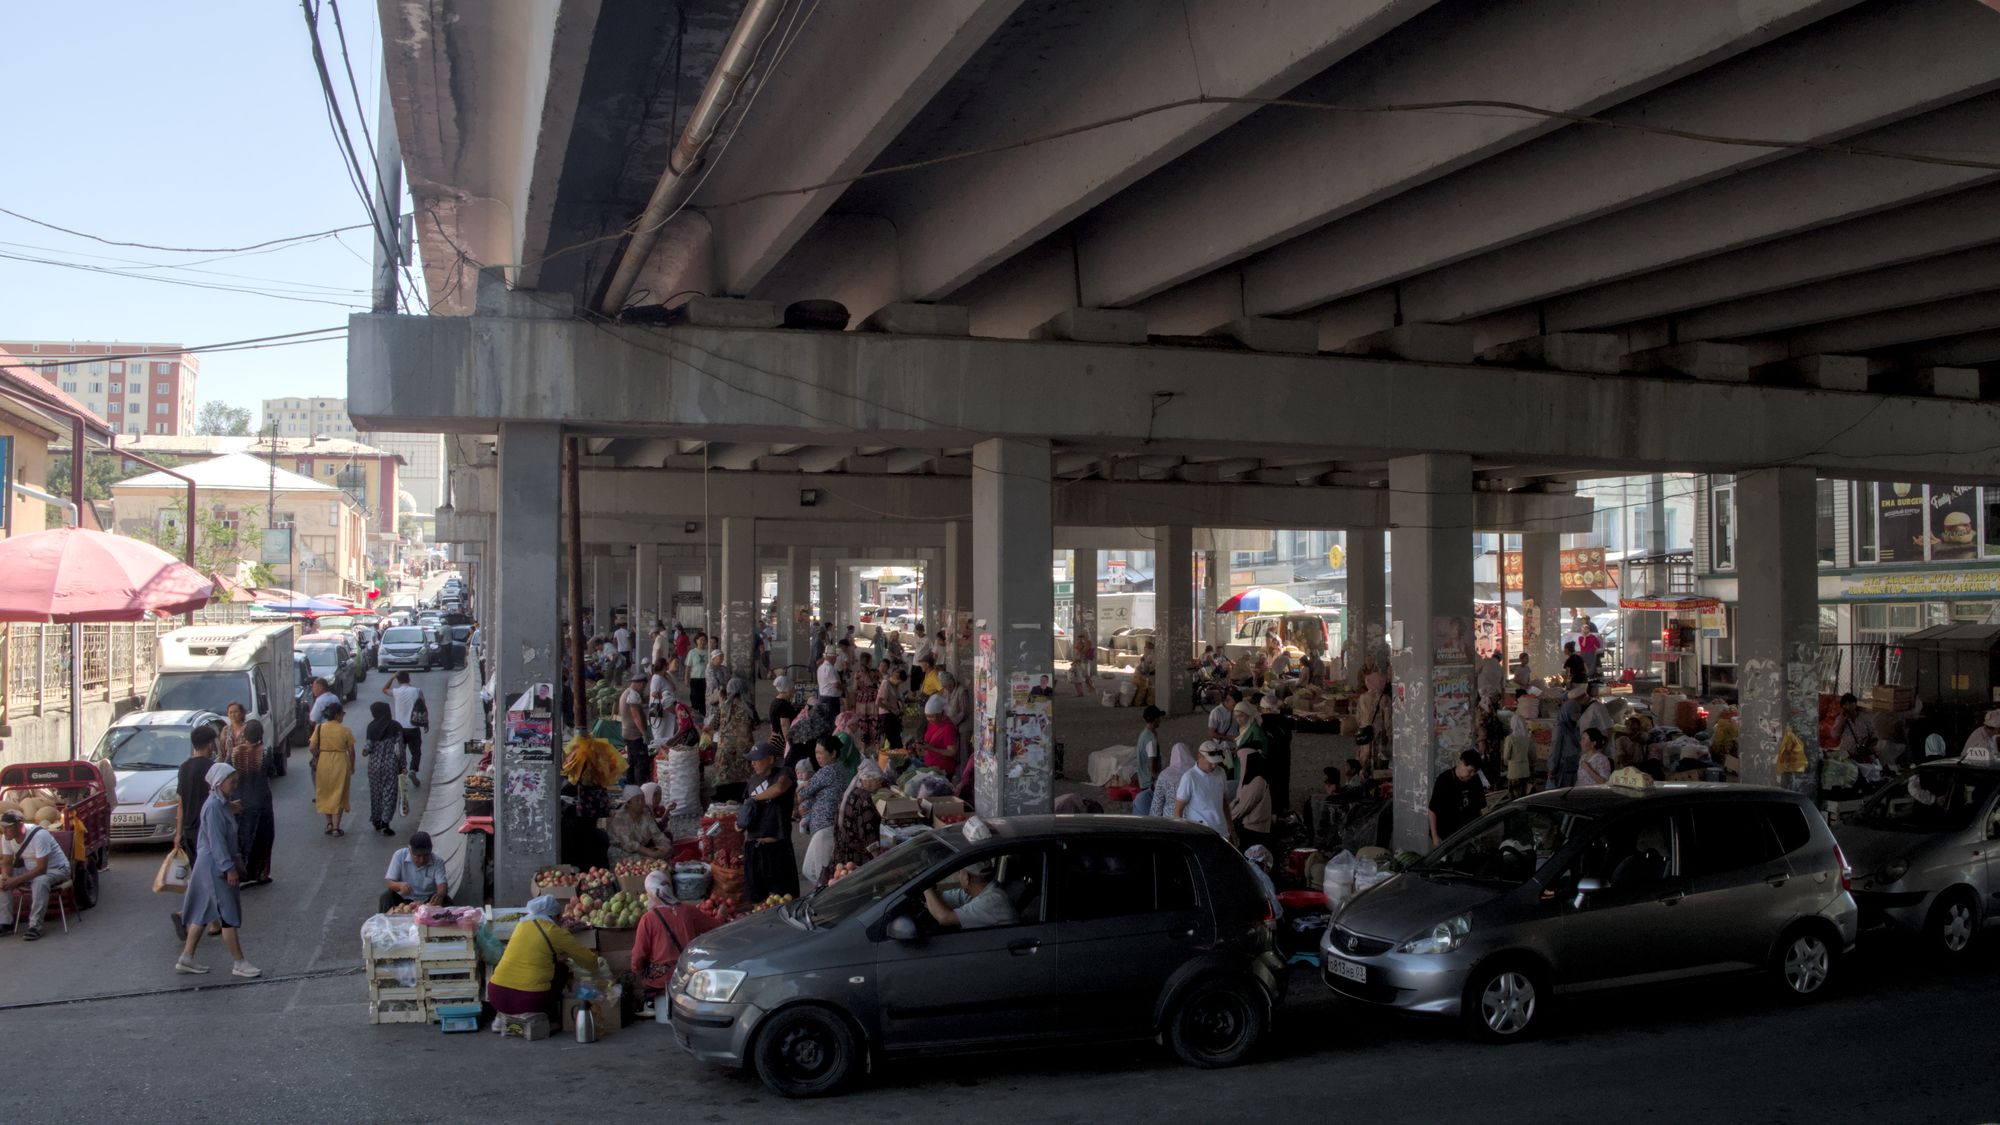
190 125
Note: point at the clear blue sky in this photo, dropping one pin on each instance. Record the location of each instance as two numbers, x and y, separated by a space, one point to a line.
183 125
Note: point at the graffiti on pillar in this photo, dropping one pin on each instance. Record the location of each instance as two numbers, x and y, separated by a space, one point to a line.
985 720
526 804
1030 743
1451 713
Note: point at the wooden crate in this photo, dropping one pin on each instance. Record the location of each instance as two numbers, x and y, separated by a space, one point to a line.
398 1012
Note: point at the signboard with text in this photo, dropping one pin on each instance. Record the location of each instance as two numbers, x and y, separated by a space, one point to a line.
1581 568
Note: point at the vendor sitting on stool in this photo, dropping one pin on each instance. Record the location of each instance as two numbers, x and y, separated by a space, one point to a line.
415 874
525 980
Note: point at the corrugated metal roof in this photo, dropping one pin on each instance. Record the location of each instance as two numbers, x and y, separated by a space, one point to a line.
234 470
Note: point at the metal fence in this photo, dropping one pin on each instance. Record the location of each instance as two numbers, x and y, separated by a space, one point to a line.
118 659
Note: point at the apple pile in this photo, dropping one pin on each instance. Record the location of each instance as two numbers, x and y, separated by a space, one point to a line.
841 871
544 880
641 867
620 912
771 901
718 907
597 880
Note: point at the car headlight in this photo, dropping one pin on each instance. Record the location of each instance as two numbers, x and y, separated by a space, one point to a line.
714 986
168 797
1893 871
1443 938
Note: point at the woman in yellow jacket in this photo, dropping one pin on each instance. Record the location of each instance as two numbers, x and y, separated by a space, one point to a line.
525 980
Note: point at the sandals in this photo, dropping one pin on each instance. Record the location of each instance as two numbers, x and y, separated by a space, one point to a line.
339 832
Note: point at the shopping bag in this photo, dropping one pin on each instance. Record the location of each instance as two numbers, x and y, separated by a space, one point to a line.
403 788
420 715
172 877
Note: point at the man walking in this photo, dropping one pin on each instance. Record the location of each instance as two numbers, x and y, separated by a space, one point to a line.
404 697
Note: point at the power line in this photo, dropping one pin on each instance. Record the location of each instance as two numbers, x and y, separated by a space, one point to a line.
253 343
179 281
137 266
182 249
337 122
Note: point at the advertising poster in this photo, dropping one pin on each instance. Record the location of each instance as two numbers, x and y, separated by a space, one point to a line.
1451 640
1030 718
1901 510
1954 522
985 697
1451 711
1487 618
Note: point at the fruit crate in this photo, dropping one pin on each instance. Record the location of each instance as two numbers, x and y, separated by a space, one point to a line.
439 943
397 1011
395 992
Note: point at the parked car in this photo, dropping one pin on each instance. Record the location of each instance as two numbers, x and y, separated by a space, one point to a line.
404 646
302 697
1122 928
145 750
434 642
1923 849
1596 887
332 658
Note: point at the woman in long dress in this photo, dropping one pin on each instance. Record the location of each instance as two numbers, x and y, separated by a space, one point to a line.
384 750
212 882
333 767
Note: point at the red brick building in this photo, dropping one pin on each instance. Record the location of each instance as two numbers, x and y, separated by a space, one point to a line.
138 388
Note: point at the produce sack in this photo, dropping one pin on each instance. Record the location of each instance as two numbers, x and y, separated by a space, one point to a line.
172 877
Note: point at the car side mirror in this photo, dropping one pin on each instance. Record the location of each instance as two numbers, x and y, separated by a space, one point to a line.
1585 887
902 928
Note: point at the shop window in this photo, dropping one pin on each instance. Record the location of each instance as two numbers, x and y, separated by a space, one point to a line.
1723 542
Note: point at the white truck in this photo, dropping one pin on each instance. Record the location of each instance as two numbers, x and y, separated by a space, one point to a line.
208 667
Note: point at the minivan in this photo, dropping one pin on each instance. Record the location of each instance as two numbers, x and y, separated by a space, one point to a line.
1099 928
1598 887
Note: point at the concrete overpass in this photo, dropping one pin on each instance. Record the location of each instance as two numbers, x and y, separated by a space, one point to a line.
1088 252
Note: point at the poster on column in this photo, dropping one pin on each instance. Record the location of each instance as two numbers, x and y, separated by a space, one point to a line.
1451 640
1451 711
985 699
1030 721
527 761
1486 618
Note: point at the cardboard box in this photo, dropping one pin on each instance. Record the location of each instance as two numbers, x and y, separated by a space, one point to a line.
620 960
564 893
634 885
946 810
612 941
900 810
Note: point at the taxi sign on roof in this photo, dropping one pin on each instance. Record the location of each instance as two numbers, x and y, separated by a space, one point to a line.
1977 756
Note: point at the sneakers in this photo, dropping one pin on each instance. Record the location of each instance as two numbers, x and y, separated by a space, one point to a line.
184 965
245 970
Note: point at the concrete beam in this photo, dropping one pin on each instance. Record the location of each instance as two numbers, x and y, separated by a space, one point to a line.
958 221
1783 197
1284 172
1971 348
819 117
1927 229
1913 283
1976 312
1853 71
469 374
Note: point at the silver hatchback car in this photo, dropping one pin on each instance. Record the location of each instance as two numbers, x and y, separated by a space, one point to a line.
1924 852
1598 887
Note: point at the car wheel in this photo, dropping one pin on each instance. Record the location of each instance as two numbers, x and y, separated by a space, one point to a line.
1504 1002
805 1052
1805 964
1216 1023
83 886
1953 926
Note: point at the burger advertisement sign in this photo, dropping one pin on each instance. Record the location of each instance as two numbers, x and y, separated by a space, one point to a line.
1953 532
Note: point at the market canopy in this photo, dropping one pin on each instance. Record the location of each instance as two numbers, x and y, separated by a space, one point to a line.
71 575
305 605
1672 603
1261 599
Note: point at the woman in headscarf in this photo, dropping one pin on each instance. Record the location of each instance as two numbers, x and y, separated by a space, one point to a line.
212 882
1518 755
384 750
1169 781
525 981
845 726
256 823
1261 862
660 811
634 833
857 827
861 697
1251 812
333 767
718 679
734 732
940 737
665 931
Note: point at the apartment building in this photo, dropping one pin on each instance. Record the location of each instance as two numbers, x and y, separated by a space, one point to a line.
137 388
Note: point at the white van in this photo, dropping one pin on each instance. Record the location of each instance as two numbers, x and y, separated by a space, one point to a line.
207 667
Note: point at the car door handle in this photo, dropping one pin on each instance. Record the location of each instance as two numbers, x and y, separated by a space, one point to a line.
1674 898
1024 947
1777 880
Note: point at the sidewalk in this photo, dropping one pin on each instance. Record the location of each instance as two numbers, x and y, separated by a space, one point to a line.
443 790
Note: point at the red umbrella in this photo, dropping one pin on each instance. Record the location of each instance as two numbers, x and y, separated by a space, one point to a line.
73 574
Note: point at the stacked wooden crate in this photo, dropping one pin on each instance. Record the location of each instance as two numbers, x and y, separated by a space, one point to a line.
407 984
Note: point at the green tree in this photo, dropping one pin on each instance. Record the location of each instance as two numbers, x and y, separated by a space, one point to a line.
101 470
219 543
219 419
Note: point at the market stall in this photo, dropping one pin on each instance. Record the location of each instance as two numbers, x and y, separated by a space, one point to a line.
1662 632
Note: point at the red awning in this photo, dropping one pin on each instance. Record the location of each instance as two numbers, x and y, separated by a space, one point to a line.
1672 603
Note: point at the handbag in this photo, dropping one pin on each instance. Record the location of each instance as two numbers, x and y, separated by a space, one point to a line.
172 877
403 788
420 715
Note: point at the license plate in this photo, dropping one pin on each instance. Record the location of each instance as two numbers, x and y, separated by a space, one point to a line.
127 820
1348 970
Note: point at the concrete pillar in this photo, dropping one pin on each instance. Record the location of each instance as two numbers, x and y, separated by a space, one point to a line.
849 599
1430 511
1215 626
798 604
526 630
1541 588
930 567
1173 617
956 600
1014 613
711 592
645 587
1777 621
1367 595
594 592
1083 580
739 594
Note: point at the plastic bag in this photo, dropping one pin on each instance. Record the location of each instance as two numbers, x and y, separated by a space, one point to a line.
1338 882
1367 874
388 934
449 917
172 876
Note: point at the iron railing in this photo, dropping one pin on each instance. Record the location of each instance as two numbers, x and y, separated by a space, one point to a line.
119 659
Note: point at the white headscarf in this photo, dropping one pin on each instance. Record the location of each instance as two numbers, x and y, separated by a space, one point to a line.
217 772
660 888
1518 728
1169 781
545 907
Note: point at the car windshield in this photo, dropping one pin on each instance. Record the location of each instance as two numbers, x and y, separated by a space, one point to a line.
322 655
1507 845
1931 799
144 748
876 880
403 635
199 691
336 624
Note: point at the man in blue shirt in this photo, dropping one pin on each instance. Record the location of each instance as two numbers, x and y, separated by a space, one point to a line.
415 874
1149 759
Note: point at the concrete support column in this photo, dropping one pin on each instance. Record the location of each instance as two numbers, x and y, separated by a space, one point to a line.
1777 621
1541 588
849 600
931 564
526 628
1083 583
1367 598
594 590
739 594
1430 512
1014 602
798 604
1215 626
645 587
828 605
1173 617
956 600
711 592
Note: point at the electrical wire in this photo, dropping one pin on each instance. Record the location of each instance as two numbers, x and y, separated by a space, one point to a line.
291 238
180 281
137 266
253 343
337 122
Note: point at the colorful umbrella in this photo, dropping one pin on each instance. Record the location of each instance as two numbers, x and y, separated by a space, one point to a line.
74 574
1261 599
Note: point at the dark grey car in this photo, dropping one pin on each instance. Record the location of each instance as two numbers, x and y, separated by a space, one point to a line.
1122 928
1597 887
1926 852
